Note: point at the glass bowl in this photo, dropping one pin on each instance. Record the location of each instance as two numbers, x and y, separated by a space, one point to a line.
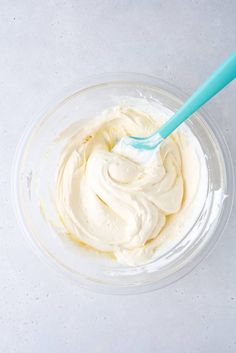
33 178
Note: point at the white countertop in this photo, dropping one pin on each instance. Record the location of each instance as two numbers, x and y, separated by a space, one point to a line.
44 46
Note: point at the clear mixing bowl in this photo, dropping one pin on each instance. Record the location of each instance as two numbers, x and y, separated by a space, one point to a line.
33 178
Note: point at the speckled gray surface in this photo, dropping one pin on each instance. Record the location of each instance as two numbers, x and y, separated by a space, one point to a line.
44 46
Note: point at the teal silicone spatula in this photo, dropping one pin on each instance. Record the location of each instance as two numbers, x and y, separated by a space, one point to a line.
215 83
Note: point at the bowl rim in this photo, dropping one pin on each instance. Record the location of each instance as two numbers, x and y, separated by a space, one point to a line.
108 78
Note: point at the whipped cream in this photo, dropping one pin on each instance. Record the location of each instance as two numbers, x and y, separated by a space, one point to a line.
115 205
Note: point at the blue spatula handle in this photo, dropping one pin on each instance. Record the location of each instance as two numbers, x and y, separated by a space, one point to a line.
216 82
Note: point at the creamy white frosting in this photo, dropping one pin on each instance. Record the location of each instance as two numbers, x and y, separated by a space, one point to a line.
111 203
